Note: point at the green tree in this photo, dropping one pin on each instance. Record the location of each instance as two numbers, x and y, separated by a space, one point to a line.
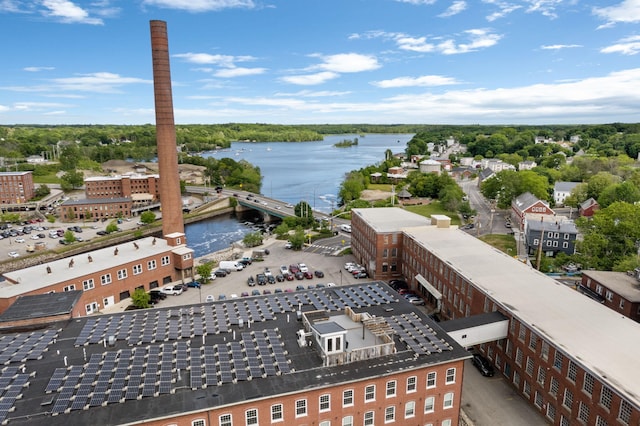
252 239
70 158
204 270
69 236
281 230
304 211
626 191
297 239
111 227
147 217
73 179
42 191
597 183
140 298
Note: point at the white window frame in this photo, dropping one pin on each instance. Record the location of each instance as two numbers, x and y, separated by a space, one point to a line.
324 403
251 416
390 414
122 274
301 408
137 269
277 413
347 421
347 398
447 401
429 404
152 264
225 419
451 376
412 384
70 287
369 418
165 260
105 279
370 393
88 284
431 379
391 389
410 409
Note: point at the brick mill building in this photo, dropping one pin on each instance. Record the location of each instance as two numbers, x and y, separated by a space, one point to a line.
139 188
16 187
618 291
573 359
106 276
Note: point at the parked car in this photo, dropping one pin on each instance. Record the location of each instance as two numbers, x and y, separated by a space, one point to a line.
255 292
398 284
288 245
299 287
194 284
157 295
280 278
302 267
415 300
299 276
251 281
261 279
320 285
210 298
289 277
266 291
284 269
308 275
174 290
14 254
483 365
220 273
319 274
222 297
293 268
271 279
361 274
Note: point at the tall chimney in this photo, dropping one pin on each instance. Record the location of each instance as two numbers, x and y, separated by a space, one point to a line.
170 198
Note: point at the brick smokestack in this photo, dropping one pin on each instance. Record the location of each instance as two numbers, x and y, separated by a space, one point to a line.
170 198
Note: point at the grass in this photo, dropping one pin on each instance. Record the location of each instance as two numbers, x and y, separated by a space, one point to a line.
380 187
505 243
432 208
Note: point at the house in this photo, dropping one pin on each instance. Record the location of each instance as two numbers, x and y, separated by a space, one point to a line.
430 166
550 235
484 175
16 187
527 165
619 291
496 165
462 172
528 203
562 190
588 207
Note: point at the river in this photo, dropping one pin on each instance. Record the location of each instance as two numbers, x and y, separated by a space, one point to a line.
291 172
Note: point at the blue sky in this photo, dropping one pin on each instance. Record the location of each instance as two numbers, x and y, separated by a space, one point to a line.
324 61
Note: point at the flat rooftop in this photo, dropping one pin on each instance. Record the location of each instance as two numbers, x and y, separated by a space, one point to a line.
37 277
392 219
625 285
165 362
598 338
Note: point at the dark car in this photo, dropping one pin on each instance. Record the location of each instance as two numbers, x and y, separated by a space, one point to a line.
361 274
483 365
289 277
319 274
102 233
308 275
194 284
280 278
271 279
220 273
293 268
157 294
255 293
299 287
299 275
262 279
398 284
251 281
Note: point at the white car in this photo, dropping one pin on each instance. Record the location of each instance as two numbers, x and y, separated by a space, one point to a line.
14 254
34 237
19 240
284 269
172 289
303 267
210 298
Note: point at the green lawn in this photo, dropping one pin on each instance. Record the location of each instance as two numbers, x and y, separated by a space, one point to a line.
505 243
434 208
380 187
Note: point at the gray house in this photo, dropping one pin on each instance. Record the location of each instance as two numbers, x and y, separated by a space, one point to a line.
555 237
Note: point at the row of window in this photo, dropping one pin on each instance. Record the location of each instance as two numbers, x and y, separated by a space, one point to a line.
390 413
550 243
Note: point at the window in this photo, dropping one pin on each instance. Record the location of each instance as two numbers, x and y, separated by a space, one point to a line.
225 420
572 372
542 375
88 284
557 361
529 366
390 414
137 269
152 264
251 416
583 412
533 342
276 413
70 287
199 422
429 403
545 350
587 386
538 400
411 384
551 411
186 256
164 260
518 357
301 407
391 388
325 402
527 388
553 387
446 422
451 376
567 399
105 279
599 289
369 418
448 400
621 303
605 397
91 308
522 332
600 421
325 423
624 415
370 393
431 380
122 274
347 398
409 409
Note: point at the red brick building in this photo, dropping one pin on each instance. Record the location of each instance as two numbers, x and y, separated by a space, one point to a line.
618 291
16 187
528 203
106 276
126 186
95 209
571 358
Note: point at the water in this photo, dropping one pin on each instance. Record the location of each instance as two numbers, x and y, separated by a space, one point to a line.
291 172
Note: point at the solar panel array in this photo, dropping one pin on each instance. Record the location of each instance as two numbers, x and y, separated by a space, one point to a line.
153 370
157 326
24 347
418 336
12 382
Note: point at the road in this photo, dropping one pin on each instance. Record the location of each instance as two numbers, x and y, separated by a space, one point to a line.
488 220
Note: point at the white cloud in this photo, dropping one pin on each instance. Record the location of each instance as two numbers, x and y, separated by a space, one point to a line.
238 72
206 58
504 9
315 94
559 46
100 82
425 80
347 63
455 8
476 39
628 11
626 46
414 44
68 12
201 5
38 69
310 79
544 7
417 2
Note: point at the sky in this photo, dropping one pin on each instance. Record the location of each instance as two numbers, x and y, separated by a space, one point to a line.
323 61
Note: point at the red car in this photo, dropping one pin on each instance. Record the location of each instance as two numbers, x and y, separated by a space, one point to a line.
308 275
289 277
294 268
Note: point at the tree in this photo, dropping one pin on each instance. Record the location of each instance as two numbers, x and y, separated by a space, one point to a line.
304 211
281 230
70 157
252 239
111 227
626 191
69 236
140 298
72 179
204 270
42 191
147 217
297 239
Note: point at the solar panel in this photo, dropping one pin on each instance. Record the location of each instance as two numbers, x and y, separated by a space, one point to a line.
196 375
56 380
